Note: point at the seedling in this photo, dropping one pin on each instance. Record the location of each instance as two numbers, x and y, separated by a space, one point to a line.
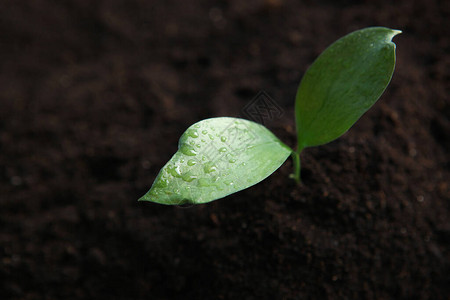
220 156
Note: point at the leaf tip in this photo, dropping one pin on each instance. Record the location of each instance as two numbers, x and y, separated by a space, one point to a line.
396 31
393 33
146 197
142 199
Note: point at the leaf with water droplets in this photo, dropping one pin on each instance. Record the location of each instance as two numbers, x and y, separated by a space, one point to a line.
217 157
343 83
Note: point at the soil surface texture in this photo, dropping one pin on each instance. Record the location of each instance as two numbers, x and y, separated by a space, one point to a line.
94 96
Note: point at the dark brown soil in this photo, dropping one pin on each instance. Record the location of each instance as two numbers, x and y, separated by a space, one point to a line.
95 94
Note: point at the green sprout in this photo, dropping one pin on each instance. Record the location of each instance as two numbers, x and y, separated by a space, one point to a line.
220 156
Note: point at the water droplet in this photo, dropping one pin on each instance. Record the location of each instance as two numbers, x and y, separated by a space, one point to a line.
161 183
232 160
203 182
192 133
228 182
209 167
188 177
188 150
223 138
205 131
197 126
219 187
198 146
211 136
250 147
174 171
243 164
223 149
191 162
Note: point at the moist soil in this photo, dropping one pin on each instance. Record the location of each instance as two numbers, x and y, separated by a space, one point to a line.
95 94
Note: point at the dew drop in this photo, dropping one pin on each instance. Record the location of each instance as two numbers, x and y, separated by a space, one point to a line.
232 160
219 187
192 133
223 139
209 167
162 183
188 150
191 162
205 131
174 171
211 137
229 182
223 149
188 177
203 182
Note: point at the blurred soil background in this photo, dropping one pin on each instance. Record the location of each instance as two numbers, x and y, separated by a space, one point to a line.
95 94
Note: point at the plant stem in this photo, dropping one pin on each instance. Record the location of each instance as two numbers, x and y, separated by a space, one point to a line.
296 160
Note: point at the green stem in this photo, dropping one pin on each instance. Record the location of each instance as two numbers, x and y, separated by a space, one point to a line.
296 160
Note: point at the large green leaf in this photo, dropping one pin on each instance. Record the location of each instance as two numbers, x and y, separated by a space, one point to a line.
343 83
217 157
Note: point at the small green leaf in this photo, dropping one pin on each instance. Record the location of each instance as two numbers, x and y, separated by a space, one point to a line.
342 84
217 157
